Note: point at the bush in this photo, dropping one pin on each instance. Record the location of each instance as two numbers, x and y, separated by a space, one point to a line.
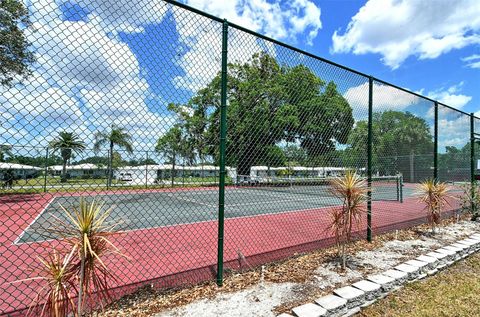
70 277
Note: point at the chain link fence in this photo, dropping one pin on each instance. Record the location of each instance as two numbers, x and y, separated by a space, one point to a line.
213 145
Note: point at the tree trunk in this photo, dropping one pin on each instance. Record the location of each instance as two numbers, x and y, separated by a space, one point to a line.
244 165
63 177
110 163
344 257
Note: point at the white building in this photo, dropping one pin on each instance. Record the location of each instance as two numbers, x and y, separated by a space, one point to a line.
264 172
137 175
20 171
150 174
81 170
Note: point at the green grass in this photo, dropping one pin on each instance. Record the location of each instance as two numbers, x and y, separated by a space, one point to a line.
453 292
81 185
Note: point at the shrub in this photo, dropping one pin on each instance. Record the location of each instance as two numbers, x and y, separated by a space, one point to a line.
435 197
470 199
352 190
83 270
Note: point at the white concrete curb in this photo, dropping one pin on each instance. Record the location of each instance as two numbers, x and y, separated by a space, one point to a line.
349 300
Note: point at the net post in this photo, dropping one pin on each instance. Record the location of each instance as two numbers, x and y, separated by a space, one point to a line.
146 171
401 188
397 180
369 159
435 143
472 163
223 136
45 171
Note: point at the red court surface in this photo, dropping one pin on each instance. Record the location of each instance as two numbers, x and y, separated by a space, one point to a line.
180 254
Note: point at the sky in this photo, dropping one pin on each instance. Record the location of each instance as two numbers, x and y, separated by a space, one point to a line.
104 62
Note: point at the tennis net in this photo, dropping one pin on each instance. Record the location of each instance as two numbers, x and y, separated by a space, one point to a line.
383 187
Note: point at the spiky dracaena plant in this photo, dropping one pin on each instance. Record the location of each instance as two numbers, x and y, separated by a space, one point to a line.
87 230
352 190
435 197
59 289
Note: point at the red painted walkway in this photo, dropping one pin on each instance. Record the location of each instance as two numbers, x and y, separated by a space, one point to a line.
181 254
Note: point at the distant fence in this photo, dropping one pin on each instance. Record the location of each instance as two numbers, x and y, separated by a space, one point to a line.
213 144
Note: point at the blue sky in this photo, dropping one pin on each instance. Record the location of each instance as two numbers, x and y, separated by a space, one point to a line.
103 62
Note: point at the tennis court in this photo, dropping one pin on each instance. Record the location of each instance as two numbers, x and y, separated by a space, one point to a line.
162 208
177 228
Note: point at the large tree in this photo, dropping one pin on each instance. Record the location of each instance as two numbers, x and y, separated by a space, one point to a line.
399 138
15 57
115 137
454 162
67 143
268 105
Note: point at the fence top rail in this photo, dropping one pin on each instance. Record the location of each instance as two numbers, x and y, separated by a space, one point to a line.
458 110
264 37
192 9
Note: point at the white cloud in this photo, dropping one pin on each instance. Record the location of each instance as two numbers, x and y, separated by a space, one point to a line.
34 109
454 129
275 19
398 29
202 36
450 96
124 15
80 53
84 80
473 61
384 98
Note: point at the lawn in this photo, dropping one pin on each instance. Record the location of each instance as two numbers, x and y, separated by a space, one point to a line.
453 292
53 184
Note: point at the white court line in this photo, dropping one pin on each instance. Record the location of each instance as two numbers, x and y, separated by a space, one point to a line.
195 222
272 193
191 201
15 242
171 195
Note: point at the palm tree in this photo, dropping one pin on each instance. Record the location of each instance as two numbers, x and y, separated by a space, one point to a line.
67 143
116 136
172 145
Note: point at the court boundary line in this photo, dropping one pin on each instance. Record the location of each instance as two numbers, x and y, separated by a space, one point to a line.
20 236
191 201
191 223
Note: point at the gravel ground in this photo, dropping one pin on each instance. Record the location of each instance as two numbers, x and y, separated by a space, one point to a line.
268 299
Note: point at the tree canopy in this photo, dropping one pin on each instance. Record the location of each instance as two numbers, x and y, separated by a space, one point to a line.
268 105
15 57
396 136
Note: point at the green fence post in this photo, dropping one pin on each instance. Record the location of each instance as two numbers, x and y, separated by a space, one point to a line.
223 137
45 172
472 163
369 159
435 143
